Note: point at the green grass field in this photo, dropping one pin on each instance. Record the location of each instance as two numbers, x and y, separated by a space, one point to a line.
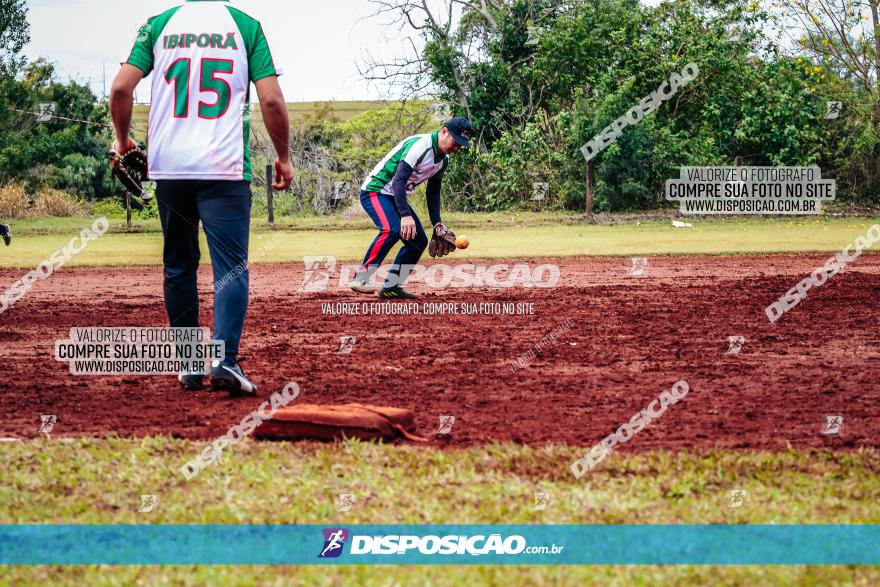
492 236
100 481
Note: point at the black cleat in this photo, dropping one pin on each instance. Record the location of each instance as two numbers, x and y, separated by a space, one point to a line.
6 233
191 381
396 293
232 379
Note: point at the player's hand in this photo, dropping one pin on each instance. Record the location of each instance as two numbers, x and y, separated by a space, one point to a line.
123 149
283 175
407 228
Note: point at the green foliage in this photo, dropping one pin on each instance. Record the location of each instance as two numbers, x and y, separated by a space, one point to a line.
539 79
61 154
537 98
14 35
367 138
109 208
83 175
114 208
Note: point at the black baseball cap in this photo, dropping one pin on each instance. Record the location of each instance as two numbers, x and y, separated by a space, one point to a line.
462 130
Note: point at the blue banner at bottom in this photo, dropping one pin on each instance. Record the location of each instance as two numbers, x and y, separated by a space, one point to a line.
440 544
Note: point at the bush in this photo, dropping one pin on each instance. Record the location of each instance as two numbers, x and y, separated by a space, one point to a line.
369 136
84 176
108 208
13 201
51 202
115 208
144 210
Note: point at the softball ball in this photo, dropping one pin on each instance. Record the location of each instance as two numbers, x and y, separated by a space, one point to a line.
462 242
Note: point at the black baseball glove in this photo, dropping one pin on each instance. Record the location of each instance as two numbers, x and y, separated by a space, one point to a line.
131 170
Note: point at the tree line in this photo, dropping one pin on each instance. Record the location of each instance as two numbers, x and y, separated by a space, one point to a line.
792 82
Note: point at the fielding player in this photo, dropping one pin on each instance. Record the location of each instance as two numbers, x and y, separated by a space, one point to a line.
384 194
204 55
6 233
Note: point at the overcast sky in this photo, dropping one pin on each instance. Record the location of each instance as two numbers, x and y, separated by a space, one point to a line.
317 43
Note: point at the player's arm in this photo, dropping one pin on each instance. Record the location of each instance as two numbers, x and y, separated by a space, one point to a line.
398 187
121 104
442 239
275 117
138 65
433 197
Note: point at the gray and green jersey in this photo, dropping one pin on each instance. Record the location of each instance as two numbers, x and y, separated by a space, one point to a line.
205 54
420 152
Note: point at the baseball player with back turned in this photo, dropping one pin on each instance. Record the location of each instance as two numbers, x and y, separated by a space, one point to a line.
415 160
204 54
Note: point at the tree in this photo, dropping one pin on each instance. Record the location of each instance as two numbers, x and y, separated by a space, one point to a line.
838 43
540 78
39 74
14 35
843 36
456 33
67 153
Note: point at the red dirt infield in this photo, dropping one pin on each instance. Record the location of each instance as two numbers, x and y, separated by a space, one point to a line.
631 338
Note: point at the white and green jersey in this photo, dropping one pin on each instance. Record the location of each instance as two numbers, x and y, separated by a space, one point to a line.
420 152
205 53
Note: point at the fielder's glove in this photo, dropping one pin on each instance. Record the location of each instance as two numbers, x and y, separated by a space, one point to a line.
131 170
443 241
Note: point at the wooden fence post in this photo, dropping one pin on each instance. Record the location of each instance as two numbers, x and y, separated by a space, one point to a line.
270 196
589 194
